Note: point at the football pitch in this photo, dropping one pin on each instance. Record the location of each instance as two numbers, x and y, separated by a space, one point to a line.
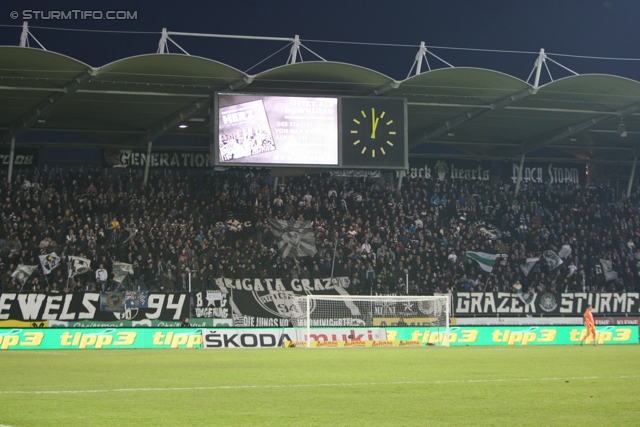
479 386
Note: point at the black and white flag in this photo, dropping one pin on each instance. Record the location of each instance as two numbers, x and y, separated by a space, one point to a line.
491 229
120 271
78 265
23 272
552 259
49 262
132 232
294 238
608 271
531 264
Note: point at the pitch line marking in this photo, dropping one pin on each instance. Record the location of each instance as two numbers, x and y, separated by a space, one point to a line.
240 387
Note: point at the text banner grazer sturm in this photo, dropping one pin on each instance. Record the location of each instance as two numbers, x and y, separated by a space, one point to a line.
544 303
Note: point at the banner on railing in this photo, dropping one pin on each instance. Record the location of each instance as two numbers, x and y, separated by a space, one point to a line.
532 172
124 158
262 302
546 303
82 306
22 158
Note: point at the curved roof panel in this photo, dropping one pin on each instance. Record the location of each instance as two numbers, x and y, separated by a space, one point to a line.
466 83
320 77
467 110
36 65
170 71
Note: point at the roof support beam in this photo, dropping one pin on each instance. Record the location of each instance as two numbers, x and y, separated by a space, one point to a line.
562 134
295 51
12 152
172 121
385 88
167 125
44 107
24 36
241 83
520 175
633 172
465 117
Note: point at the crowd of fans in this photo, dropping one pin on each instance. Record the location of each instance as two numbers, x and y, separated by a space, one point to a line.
211 224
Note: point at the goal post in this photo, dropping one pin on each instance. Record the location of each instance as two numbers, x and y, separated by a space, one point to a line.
315 312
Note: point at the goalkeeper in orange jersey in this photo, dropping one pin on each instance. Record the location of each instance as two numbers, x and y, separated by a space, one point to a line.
590 325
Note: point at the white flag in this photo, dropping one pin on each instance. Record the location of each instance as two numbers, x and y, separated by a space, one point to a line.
120 271
608 271
294 238
49 262
529 264
78 265
484 260
132 233
23 272
552 259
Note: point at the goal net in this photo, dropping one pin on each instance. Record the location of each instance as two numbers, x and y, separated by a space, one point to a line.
368 316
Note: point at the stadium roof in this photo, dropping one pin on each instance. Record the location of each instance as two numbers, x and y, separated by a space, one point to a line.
48 99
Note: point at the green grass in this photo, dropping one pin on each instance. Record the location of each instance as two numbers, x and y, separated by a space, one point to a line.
483 386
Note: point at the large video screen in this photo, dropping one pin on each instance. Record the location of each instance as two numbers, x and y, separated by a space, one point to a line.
276 130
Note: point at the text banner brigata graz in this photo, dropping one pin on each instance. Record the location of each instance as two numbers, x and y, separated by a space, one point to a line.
252 302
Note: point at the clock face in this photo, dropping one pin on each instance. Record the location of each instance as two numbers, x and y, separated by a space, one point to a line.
373 132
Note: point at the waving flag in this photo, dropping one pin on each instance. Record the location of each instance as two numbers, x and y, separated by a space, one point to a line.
552 259
78 265
120 271
484 260
607 270
294 238
23 272
132 232
529 265
49 262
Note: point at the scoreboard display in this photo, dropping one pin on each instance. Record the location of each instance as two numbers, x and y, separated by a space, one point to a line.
272 131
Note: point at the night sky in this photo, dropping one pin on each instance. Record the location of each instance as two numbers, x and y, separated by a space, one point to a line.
381 35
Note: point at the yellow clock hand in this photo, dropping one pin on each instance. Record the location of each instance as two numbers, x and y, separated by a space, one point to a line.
374 123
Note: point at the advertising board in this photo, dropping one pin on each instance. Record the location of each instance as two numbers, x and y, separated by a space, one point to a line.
274 337
99 338
515 335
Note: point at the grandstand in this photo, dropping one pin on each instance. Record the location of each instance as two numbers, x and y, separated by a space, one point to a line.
114 164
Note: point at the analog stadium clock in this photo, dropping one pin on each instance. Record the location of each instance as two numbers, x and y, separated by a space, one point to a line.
373 133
